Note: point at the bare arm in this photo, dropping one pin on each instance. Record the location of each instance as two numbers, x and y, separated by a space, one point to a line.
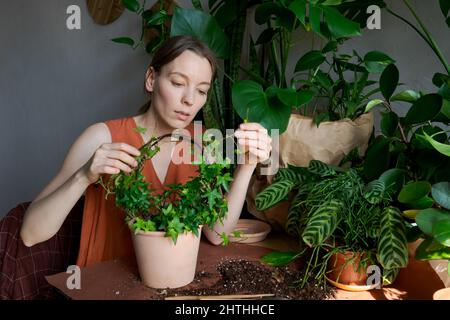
91 155
255 144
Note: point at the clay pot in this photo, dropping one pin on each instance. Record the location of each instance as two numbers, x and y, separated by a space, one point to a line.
344 269
161 263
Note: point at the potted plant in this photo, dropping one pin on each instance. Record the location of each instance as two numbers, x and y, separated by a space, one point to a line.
345 223
166 227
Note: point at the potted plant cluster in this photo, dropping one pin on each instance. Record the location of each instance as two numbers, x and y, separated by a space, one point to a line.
166 227
344 223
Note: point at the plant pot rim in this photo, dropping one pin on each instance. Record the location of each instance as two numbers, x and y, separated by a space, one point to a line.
155 233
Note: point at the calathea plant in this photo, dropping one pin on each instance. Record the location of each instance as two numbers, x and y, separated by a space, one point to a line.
179 208
334 210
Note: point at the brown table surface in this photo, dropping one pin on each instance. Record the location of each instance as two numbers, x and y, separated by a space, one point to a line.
115 279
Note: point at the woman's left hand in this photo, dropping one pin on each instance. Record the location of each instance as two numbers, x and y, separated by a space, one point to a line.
254 142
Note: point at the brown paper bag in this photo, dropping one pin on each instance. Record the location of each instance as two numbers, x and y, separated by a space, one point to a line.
302 142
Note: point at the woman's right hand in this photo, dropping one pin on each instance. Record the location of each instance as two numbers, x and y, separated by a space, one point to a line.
110 158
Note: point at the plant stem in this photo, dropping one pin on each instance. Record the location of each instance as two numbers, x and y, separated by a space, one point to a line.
434 46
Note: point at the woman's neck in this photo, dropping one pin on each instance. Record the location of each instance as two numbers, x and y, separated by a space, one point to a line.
154 124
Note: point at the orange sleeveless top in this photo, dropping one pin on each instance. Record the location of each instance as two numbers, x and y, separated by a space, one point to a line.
104 233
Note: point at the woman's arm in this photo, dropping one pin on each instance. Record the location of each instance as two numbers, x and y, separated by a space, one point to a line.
255 144
91 155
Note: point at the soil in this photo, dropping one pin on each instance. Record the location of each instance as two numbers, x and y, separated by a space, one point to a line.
239 276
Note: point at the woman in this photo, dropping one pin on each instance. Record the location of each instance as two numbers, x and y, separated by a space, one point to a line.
178 80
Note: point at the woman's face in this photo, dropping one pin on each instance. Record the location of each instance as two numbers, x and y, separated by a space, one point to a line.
180 88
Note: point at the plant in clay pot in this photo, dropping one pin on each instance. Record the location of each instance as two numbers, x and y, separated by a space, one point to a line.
166 227
337 216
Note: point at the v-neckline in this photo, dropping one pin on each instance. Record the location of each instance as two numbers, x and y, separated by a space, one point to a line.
169 167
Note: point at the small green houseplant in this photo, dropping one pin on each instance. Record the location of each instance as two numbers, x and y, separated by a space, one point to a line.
334 211
166 227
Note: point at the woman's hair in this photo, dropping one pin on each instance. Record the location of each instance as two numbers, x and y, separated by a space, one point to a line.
171 49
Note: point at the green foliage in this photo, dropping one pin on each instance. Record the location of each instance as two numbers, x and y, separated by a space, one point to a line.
179 208
335 210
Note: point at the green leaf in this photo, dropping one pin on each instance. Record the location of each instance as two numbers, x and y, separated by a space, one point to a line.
265 11
132 5
315 14
273 194
414 191
339 25
423 203
372 104
322 223
441 232
389 123
441 194
427 218
310 60
299 9
441 147
377 158
393 180
252 103
202 26
430 249
389 81
406 96
392 245
445 7
376 61
278 258
124 40
424 109
330 46
155 18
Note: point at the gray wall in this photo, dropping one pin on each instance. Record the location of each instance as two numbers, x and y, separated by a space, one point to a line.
55 82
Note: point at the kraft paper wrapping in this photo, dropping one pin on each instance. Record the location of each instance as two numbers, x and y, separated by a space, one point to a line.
302 142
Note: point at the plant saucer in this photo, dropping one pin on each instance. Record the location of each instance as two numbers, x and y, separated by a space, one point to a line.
349 287
251 231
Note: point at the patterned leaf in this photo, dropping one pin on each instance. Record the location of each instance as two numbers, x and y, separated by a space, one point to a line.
288 174
389 276
375 192
273 194
320 168
293 222
392 245
322 223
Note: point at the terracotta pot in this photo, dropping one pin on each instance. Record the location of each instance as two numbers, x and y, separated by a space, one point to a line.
161 263
344 269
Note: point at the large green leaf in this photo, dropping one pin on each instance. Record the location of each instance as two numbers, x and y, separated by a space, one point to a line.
430 249
441 232
299 9
426 219
392 244
393 180
310 60
422 203
322 223
202 26
278 258
376 61
406 96
424 109
441 194
273 194
339 25
252 103
389 81
377 158
414 191
389 123
441 147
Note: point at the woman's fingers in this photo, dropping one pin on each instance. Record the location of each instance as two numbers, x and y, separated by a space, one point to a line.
117 164
253 135
122 156
258 144
122 147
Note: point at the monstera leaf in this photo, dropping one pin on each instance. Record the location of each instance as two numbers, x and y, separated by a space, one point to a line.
254 104
202 26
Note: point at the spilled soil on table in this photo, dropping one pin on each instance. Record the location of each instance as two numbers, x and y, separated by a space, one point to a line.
239 276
